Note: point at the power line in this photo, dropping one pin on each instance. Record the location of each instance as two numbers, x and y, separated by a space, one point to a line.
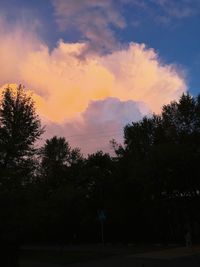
94 138
94 133
86 139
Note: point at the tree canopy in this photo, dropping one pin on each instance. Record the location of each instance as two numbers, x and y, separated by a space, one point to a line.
20 127
149 190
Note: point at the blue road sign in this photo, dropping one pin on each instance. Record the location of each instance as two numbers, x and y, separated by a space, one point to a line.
101 215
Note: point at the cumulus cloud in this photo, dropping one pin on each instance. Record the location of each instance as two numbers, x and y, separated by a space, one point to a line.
71 93
16 45
99 124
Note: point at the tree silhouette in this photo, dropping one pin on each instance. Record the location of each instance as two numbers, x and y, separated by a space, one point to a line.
20 127
150 190
56 157
161 154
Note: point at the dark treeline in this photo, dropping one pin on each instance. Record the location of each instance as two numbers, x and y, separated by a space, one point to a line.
149 191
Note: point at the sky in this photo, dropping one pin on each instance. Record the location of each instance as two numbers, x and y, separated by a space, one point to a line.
93 66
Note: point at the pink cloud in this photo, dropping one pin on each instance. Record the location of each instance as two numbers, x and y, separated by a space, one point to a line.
102 121
80 95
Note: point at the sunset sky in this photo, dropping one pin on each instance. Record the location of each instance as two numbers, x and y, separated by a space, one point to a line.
95 65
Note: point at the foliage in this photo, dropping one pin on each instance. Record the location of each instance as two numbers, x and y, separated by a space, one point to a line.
149 191
20 127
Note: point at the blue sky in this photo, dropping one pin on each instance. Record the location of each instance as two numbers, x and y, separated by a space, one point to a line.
175 35
93 66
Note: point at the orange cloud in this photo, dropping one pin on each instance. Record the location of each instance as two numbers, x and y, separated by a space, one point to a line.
67 84
64 84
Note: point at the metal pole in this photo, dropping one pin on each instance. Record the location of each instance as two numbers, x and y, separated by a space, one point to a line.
102 232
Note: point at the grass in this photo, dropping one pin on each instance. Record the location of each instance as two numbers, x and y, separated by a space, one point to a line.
61 257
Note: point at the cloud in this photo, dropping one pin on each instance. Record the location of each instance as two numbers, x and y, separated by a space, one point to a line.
16 45
166 11
179 9
68 84
98 124
93 19
72 93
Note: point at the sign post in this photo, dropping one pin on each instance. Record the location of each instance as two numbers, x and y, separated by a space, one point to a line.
102 217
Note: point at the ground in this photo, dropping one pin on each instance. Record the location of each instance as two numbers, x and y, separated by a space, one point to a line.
123 257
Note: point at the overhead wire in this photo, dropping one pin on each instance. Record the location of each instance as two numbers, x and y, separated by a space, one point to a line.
95 133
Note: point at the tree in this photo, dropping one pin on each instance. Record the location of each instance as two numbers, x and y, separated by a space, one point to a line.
20 127
161 155
56 158
98 181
